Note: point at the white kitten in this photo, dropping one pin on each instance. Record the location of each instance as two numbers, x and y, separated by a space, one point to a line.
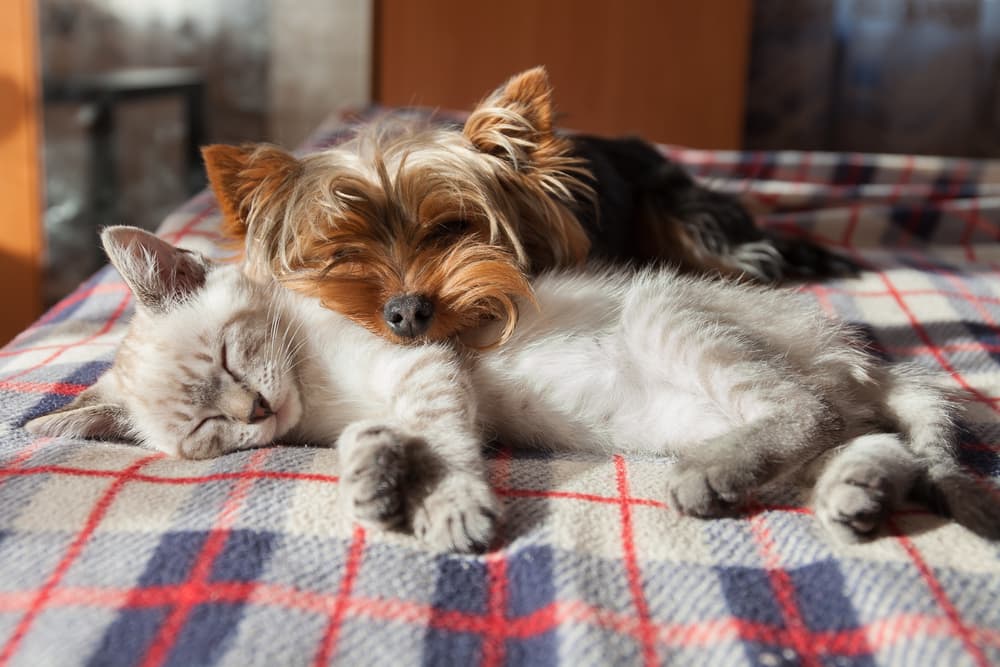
741 384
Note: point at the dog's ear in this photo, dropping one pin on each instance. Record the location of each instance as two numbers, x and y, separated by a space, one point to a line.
246 175
515 121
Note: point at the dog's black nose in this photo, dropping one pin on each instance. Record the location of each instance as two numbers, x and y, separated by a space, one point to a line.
408 315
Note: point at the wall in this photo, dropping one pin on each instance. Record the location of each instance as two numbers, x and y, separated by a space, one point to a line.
272 69
669 70
320 61
904 76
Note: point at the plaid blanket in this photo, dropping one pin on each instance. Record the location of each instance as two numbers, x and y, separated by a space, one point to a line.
110 554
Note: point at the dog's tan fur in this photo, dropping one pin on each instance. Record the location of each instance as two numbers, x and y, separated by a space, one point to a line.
461 217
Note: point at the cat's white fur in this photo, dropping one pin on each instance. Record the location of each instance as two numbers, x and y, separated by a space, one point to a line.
741 384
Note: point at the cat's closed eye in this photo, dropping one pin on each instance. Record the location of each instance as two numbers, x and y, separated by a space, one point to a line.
205 421
224 357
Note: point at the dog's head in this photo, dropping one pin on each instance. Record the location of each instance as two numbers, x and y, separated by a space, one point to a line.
415 231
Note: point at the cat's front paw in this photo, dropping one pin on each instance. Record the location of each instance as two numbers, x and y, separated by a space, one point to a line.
460 514
711 491
373 462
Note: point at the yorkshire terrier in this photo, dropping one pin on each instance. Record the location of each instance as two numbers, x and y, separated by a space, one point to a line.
420 231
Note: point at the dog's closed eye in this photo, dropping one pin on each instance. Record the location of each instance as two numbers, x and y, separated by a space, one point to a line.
448 230
338 257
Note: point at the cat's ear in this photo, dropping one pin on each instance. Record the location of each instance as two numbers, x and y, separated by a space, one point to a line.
247 176
158 273
93 414
515 121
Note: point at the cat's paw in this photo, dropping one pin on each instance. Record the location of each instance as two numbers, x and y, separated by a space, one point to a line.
853 502
711 491
460 514
373 474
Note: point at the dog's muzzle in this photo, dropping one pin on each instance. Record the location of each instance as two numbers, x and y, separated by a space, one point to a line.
408 315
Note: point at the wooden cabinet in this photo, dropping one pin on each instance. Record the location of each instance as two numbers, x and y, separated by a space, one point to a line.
668 70
20 175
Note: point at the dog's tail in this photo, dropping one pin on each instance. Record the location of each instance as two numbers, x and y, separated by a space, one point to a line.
926 414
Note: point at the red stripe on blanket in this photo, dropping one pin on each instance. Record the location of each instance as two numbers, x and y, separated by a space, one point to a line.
904 179
570 495
977 298
496 574
646 634
852 224
158 479
110 322
328 645
940 358
960 287
77 297
798 633
60 388
959 629
971 222
41 596
42 348
14 471
176 237
874 636
171 627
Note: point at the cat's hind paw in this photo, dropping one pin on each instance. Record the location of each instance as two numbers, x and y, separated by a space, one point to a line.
707 492
460 514
861 484
854 508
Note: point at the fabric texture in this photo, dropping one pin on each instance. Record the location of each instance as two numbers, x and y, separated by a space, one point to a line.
115 555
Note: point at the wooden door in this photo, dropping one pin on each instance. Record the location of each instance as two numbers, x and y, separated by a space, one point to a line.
668 70
20 175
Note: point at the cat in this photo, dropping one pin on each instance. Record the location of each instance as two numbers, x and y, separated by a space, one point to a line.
743 385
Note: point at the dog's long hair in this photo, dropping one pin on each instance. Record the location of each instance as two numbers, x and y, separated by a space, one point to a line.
420 231
459 217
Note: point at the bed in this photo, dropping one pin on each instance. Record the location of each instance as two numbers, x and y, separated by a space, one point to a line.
115 555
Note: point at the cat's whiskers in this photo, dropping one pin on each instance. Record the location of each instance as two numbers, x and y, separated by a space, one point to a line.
291 346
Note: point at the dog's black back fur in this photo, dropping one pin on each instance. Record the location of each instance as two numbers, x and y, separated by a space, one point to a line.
637 187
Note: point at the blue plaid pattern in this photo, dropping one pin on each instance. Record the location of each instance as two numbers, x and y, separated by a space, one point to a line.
113 555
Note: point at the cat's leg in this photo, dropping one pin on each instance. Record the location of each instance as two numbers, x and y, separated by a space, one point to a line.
716 476
420 467
861 483
744 410
927 414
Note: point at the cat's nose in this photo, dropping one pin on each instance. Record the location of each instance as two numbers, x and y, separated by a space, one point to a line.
408 315
260 410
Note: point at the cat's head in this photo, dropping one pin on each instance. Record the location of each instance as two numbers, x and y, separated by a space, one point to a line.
207 365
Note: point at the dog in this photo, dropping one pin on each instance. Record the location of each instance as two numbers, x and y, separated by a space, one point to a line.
420 231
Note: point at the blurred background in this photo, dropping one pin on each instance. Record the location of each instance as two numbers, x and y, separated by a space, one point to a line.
103 103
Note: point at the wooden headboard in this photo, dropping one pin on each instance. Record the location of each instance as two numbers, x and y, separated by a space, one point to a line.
668 70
